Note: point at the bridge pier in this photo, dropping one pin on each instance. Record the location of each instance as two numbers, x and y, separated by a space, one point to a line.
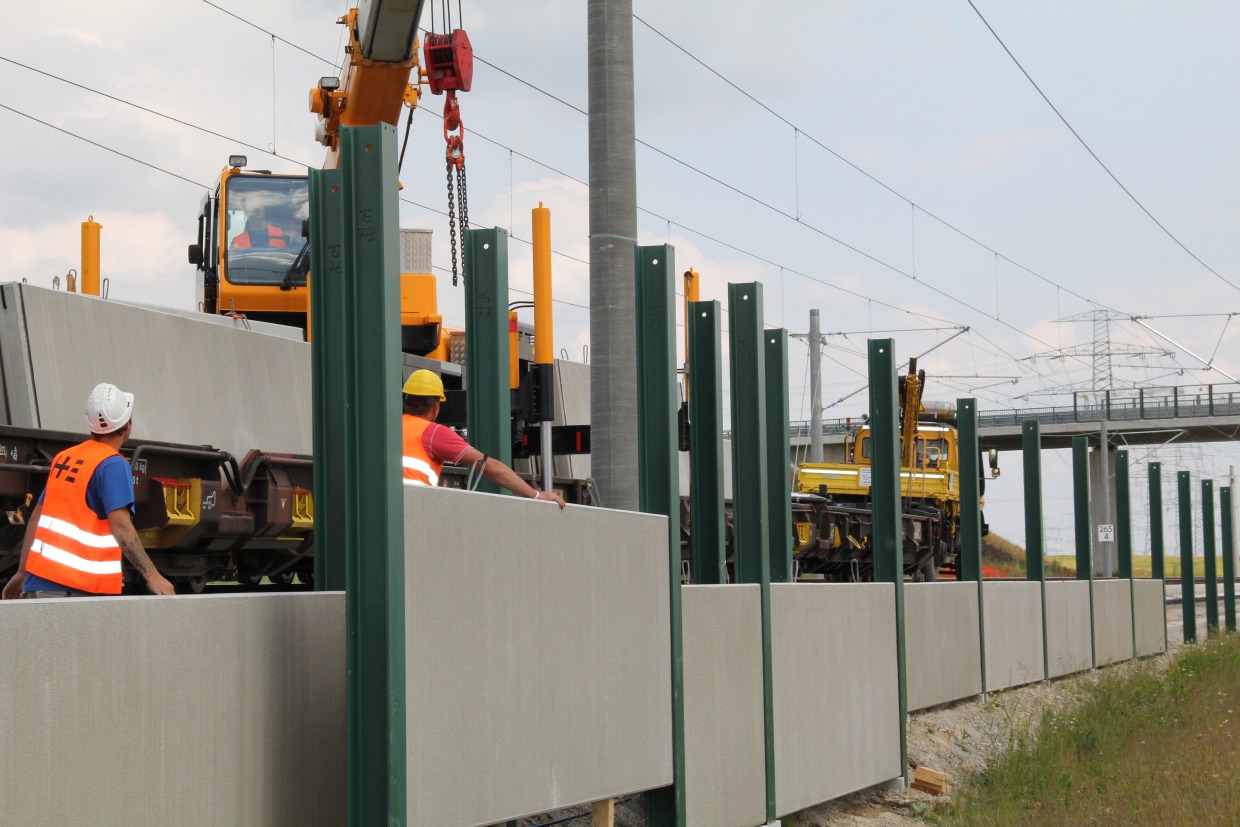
1102 508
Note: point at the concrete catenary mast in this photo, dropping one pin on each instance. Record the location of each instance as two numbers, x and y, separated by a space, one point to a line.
613 235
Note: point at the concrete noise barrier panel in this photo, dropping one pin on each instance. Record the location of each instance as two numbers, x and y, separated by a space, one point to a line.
209 710
538 655
943 646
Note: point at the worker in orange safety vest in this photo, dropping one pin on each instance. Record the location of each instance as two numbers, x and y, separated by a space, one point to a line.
258 233
427 446
82 526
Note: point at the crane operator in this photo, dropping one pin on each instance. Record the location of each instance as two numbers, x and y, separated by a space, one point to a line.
258 232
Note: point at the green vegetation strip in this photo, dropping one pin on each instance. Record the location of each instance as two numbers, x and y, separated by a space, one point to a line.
1143 748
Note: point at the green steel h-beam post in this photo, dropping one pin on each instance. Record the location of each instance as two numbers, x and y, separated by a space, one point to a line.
1123 516
1188 579
1123 537
1084 561
888 545
751 551
971 514
658 479
358 264
778 459
1035 547
1211 570
330 363
709 564
1229 560
1158 550
488 416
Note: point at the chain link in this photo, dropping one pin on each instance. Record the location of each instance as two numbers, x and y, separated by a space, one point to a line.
452 220
463 197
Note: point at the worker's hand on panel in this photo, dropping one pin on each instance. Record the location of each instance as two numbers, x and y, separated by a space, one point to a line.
158 584
13 588
550 496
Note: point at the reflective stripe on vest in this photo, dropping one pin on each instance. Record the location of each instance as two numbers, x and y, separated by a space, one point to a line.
418 467
424 467
72 546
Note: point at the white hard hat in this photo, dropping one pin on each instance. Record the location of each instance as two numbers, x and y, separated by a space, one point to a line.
108 408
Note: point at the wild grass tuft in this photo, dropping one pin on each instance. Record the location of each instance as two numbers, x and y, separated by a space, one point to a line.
1141 748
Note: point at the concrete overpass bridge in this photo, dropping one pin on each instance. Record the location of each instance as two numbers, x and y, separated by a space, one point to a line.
1142 416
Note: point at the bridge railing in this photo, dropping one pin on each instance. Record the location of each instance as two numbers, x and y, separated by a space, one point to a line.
1171 402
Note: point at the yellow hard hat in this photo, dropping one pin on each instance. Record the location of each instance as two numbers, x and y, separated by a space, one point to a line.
424 383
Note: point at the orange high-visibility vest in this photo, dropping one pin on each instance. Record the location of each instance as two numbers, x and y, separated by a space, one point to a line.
419 468
72 546
275 238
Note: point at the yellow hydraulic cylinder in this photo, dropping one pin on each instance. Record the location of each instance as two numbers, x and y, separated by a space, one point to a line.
90 256
691 295
514 373
544 343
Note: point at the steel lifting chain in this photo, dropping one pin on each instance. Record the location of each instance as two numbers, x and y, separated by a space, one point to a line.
462 195
452 220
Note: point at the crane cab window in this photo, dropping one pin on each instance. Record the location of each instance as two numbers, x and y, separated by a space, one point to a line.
263 217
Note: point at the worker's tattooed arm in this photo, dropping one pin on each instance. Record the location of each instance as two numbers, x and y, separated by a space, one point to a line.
131 546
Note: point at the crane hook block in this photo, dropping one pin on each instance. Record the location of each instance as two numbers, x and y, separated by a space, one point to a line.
449 62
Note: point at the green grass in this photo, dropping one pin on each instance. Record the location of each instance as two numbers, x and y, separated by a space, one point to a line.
1140 564
1145 748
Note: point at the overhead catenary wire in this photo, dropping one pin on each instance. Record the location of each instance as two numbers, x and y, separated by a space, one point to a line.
915 207
1094 155
198 184
682 226
783 213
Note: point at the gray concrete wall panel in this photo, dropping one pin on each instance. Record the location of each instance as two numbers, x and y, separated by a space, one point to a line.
17 406
214 710
1112 621
836 696
943 653
1013 613
186 374
725 743
538 655
1149 605
1068 627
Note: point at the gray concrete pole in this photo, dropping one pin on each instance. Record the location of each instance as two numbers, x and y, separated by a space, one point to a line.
613 235
815 388
1103 563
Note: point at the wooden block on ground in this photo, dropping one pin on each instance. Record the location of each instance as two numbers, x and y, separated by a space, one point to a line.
930 781
603 813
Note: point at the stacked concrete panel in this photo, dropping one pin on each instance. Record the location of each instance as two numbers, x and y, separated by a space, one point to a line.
1068 627
1013 614
190 710
538 652
1149 612
1112 621
943 653
836 695
197 381
725 753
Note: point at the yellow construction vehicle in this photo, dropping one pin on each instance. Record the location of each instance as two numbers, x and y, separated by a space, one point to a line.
831 511
252 250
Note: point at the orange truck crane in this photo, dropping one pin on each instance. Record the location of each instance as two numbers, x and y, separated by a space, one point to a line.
252 250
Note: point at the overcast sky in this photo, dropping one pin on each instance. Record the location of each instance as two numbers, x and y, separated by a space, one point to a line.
930 178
